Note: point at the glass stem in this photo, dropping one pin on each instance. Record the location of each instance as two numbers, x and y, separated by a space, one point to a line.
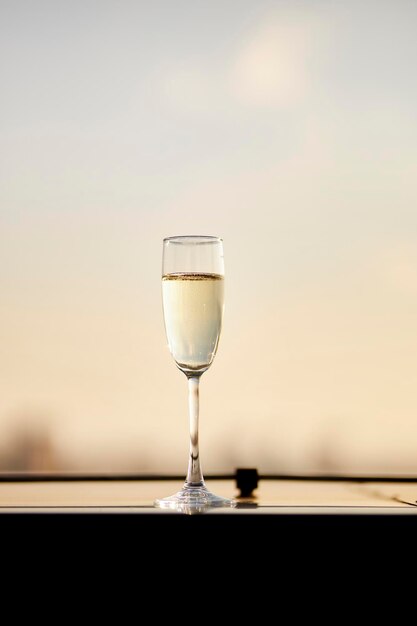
194 475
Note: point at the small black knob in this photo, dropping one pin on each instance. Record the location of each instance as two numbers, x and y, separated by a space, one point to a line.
246 481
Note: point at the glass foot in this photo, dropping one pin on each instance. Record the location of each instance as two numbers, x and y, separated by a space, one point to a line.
193 500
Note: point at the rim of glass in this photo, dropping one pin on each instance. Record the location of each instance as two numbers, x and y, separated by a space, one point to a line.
192 239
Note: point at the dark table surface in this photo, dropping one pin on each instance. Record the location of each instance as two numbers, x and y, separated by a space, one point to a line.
290 521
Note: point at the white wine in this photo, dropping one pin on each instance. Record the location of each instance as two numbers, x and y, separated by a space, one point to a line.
193 311
193 302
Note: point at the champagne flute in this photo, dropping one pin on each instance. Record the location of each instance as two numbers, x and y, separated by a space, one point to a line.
193 303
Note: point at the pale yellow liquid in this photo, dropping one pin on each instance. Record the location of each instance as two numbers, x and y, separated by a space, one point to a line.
193 312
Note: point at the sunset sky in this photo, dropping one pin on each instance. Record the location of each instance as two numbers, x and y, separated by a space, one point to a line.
289 130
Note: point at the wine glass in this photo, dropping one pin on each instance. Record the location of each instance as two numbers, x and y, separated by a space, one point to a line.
193 303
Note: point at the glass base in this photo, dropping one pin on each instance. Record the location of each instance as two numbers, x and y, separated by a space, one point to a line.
193 500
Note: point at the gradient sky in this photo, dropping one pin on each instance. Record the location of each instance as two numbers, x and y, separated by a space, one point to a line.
290 130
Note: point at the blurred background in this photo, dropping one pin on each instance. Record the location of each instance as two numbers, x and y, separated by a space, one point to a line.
287 128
